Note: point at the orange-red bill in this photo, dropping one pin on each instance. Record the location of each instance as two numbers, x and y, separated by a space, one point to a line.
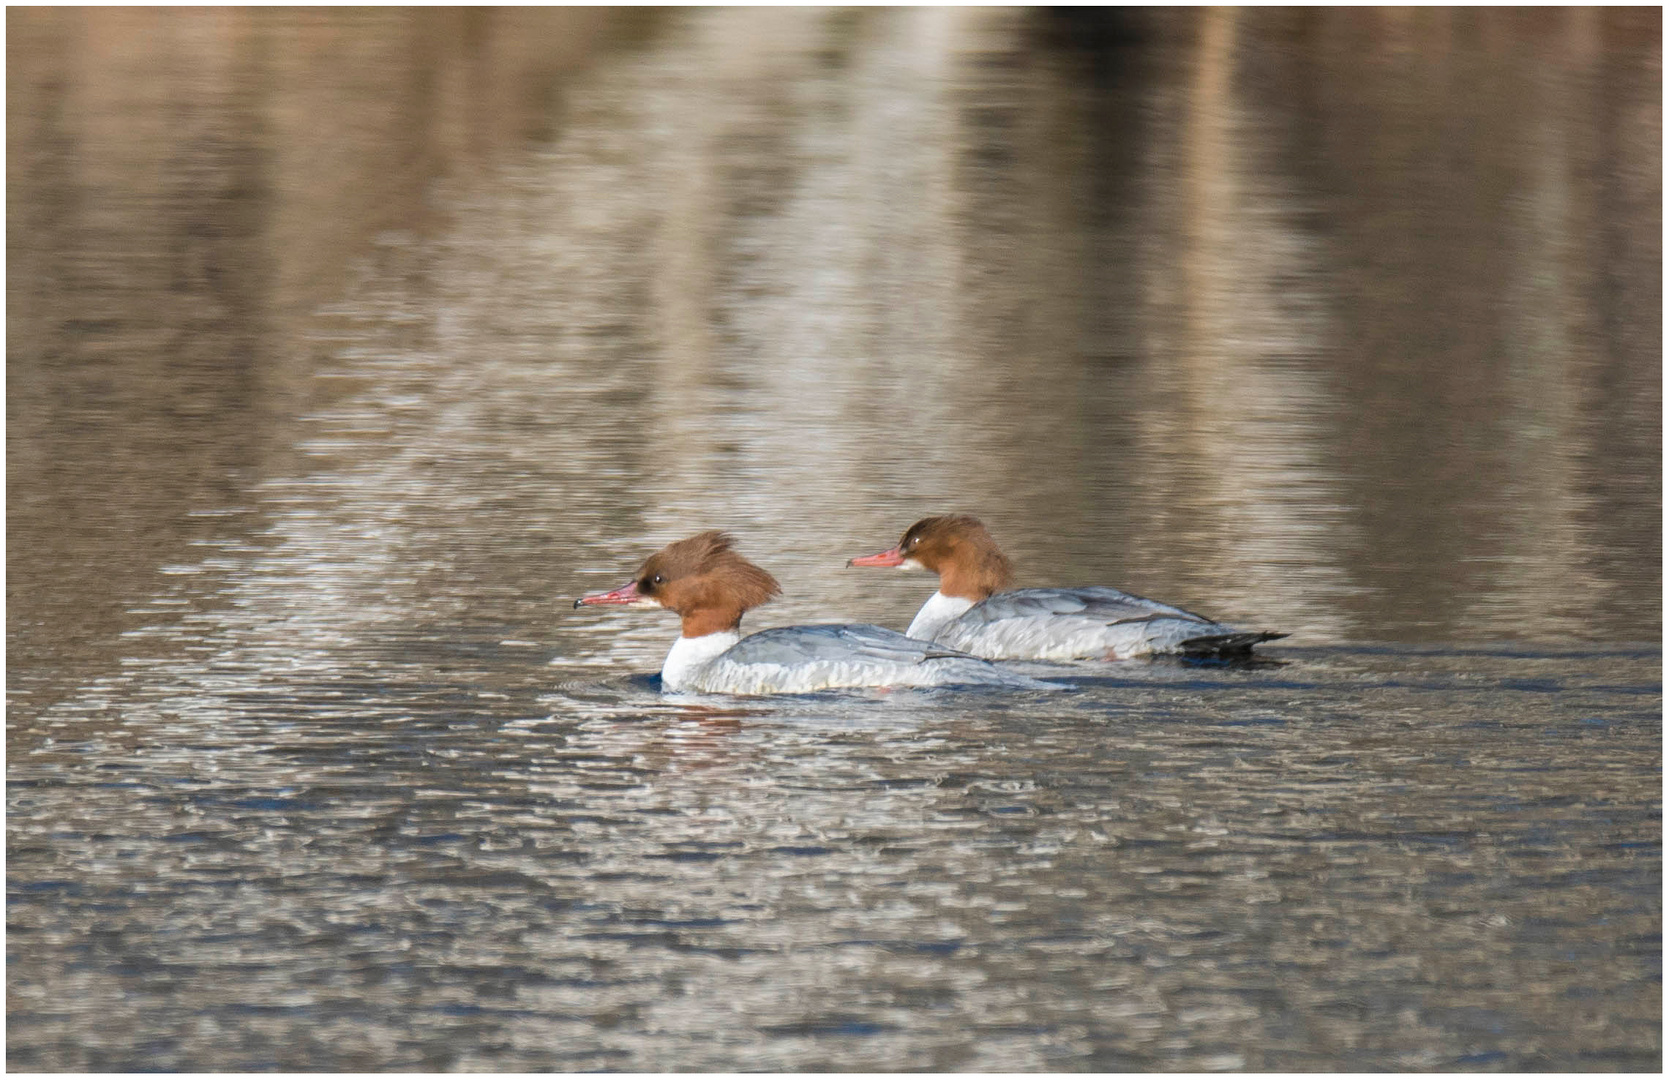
890 557
623 595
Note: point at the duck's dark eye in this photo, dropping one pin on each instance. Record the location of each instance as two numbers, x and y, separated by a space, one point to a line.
658 580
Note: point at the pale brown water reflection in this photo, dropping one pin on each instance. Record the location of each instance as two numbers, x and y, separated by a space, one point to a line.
346 348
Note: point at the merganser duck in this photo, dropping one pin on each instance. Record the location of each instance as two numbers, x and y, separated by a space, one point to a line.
975 611
709 586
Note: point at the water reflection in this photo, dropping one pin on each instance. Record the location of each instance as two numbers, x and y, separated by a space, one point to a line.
1457 369
1266 872
347 347
185 189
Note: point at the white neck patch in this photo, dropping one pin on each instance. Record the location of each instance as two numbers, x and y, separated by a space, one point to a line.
690 654
935 614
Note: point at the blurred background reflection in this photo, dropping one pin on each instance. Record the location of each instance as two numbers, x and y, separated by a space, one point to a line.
346 346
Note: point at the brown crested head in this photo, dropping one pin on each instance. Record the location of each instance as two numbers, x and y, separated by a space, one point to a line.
961 552
705 582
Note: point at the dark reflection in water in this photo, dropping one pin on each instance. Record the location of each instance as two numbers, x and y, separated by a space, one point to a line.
345 347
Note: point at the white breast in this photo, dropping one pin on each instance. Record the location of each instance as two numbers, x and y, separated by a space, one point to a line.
689 656
935 614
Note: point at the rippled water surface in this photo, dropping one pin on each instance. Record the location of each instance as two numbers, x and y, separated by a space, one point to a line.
346 348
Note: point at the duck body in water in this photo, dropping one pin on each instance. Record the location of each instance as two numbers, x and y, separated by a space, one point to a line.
976 611
709 586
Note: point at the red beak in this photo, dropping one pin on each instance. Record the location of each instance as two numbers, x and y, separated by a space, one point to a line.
623 595
890 557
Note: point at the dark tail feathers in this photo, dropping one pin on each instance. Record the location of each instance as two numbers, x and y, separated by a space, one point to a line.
1238 644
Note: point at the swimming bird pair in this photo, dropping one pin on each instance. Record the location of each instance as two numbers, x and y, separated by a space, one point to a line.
972 619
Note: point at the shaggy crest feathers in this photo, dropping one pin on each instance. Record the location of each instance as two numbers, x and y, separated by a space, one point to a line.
959 549
706 582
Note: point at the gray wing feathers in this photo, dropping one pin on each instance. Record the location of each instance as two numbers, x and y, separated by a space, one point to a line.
1089 623
1097 604
835 643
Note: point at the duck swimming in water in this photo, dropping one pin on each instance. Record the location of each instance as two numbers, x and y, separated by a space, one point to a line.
709 587
976 611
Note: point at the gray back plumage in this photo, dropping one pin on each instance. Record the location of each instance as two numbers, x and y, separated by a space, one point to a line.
836 643
1094 604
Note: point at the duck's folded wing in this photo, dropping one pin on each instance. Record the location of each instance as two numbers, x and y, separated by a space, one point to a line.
1072 624
835 643
1101 605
